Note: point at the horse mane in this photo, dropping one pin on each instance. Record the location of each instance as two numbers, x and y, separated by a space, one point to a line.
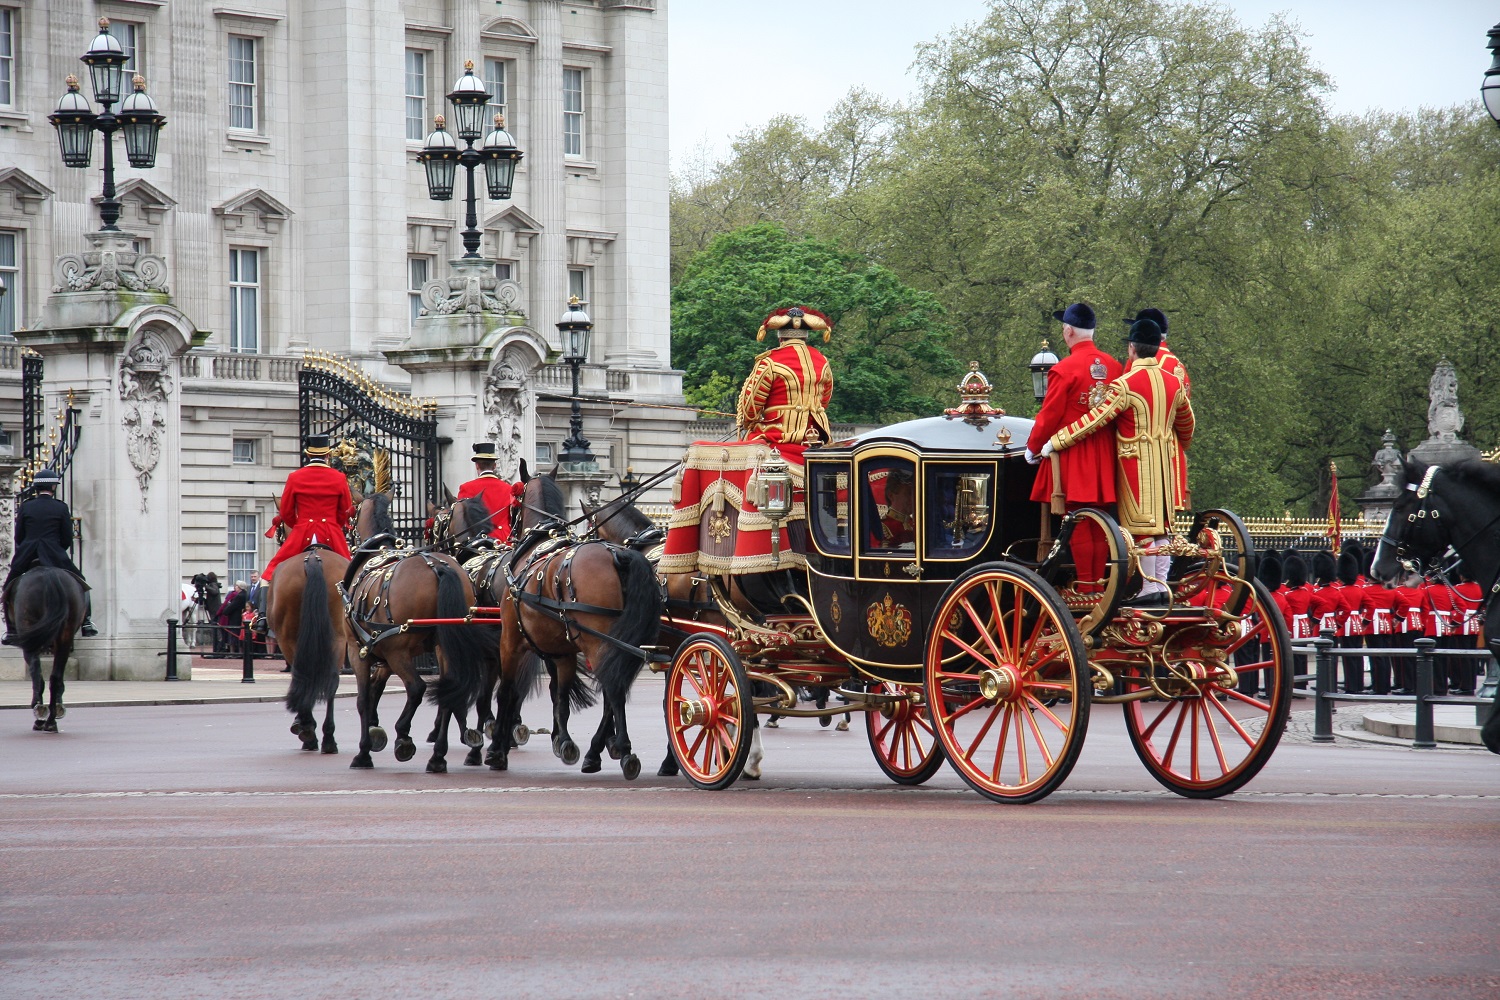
1476 473
381 522
478 518
553 501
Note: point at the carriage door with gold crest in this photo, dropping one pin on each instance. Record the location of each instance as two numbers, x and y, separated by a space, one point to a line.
887 525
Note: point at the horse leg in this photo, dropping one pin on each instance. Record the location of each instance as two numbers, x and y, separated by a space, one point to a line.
668 768
329 746
630 764
366 695
593 760
562 710
305 728
438 762
55 686
484 720
401 665
752 762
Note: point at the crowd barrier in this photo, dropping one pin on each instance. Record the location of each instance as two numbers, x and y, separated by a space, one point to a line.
247 653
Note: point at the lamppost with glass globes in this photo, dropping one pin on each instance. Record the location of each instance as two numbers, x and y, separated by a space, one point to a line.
1490 89
441 156
137 119
1041 363
576 329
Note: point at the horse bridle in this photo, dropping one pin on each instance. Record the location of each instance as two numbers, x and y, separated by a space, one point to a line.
1423 491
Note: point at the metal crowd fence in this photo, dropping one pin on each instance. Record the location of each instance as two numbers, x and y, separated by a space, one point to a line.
1325 655
244 636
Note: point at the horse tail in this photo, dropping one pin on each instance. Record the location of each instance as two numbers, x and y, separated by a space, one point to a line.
466 647
60 599
638 624
315 675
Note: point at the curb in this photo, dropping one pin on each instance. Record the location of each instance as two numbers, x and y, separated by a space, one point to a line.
148 702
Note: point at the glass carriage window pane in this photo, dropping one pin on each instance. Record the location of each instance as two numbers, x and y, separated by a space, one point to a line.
573 112
416 95
888 506
242 83
829 491
960 501
7 56
494 82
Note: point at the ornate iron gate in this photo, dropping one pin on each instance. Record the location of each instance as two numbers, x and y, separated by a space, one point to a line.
383 442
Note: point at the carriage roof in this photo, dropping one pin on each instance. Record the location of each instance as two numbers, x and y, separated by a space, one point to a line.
996 436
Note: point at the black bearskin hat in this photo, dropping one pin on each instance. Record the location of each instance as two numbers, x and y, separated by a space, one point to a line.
1294 570
1348 568
1324 569
1269 571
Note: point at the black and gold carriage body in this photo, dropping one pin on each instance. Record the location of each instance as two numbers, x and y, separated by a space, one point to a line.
876 573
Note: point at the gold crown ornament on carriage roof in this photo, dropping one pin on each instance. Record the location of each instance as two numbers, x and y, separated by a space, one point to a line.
795 322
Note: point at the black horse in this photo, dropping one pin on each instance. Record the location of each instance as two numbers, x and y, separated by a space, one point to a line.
49 608
1451 510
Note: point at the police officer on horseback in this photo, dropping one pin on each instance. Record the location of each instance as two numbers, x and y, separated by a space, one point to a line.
44 532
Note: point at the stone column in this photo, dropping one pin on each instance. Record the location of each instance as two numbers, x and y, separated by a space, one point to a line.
545 165
112 338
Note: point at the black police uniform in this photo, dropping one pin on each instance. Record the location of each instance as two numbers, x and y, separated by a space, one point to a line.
44 530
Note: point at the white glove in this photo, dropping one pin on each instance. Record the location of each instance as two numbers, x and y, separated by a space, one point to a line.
1047 449
1032 458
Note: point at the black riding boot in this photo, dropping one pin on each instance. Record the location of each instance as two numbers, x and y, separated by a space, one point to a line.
10 625
87 629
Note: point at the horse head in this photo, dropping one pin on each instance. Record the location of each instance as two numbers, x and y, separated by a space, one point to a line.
1414 531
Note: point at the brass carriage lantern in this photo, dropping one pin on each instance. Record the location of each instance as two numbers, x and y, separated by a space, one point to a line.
1041 363
774 498
1490 90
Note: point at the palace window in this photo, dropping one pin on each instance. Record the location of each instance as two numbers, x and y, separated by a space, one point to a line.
416 95
244 300
246 451
495 74
244 532
505 270
10 277
578 283
573 121
7 57
243 87
132 39
418 273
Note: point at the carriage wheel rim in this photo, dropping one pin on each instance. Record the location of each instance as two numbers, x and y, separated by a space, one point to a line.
1196 742
1013 745
711 706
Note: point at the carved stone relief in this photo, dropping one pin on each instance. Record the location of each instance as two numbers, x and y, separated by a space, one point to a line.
145 385
111 265
507 406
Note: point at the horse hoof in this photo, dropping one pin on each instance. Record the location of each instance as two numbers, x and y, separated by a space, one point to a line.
570 754
591 765
614 750
38 726
824 720
750 777
630 766
500 764
309 745
299 730
377 739
330 747
669 768
843 726
361 761
39 710
436 766
406 749
473 739
489 729
473 758
50 726
520 736
773 724
62 712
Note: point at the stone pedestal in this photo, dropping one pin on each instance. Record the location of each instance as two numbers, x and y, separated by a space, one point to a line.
581 481
472 350
111 337
1444 421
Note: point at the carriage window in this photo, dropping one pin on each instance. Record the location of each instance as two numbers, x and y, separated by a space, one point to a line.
961 503
828 489
888 506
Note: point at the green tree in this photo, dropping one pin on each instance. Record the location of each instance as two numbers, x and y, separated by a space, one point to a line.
889 345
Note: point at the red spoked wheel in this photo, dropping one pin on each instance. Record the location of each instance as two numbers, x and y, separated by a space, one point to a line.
1209 738
902 736
1007 683
709 712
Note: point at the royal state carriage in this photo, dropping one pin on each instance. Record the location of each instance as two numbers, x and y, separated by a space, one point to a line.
950 615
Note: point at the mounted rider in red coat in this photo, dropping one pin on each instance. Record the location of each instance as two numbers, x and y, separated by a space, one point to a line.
1076 385
315 507
495 491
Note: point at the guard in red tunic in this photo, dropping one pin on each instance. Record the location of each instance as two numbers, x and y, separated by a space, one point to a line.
1074 386
495 491
1411 613
1151 419
1468 605
785 399
315 507
1172 366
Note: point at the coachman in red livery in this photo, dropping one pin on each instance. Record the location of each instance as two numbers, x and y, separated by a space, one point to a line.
315 507
495 491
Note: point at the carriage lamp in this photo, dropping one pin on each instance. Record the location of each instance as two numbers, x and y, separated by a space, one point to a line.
442 157
1490 90
773 497
575 330
971 509
76 122
1041 363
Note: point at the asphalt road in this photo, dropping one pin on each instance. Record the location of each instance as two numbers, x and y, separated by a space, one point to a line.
193 851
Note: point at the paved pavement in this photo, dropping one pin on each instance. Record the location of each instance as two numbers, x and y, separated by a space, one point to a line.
190 850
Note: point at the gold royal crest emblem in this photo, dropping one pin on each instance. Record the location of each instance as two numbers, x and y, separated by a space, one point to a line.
889 622
718 526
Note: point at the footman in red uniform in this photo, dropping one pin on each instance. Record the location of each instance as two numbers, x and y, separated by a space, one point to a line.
315 506
495 491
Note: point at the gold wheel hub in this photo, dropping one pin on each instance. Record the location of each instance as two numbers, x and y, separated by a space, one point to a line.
1003 684
695 713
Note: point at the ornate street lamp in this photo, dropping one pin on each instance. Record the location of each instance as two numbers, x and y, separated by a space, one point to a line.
576 330
1041 363
1490 91
441 156
629 481
76 122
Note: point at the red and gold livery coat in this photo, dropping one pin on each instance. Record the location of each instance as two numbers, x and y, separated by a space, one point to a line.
1174 367
1152 421
1075 385
497 495
315 507
785 398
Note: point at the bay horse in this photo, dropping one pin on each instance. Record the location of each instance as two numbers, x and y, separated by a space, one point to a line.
387 589
306 615
48 605
565 598
1446 510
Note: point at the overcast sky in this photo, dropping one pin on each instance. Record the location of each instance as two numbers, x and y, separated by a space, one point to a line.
734 65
